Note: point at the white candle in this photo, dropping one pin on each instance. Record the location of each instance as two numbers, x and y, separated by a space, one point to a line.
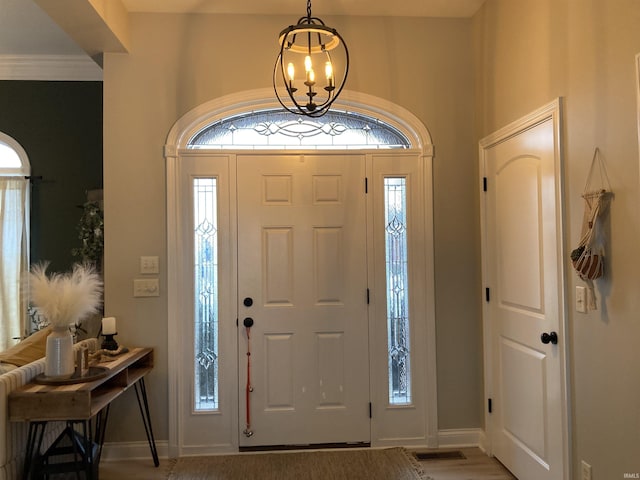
109 326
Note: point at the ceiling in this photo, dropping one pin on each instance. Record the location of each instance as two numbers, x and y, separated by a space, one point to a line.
408 8
26 30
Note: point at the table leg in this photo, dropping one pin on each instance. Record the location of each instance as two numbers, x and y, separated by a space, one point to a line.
141 391
87 445
101 428
34 443
78 455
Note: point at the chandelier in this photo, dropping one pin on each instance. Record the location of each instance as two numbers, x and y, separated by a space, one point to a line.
312 66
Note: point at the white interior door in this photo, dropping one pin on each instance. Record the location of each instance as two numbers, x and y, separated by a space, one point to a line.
522 252
302 279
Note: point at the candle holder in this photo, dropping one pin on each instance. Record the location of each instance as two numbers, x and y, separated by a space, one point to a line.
109 343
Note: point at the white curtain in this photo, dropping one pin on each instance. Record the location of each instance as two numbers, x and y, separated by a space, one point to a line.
14 264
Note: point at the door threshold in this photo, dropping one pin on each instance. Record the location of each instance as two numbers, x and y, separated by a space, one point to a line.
308 446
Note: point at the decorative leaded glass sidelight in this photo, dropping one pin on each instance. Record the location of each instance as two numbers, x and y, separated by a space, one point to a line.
206 294
278 129
398 338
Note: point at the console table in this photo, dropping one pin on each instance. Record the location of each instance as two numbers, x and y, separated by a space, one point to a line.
78 404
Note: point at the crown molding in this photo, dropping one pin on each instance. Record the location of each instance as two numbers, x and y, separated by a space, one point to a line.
49 67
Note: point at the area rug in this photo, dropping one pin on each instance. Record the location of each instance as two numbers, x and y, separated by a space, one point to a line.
366 464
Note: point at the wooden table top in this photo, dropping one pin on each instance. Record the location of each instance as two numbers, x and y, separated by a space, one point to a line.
80 401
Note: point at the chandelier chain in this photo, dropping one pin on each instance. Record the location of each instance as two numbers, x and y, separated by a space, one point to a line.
309 9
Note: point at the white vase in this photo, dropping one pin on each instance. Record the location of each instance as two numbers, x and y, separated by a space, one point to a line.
59 354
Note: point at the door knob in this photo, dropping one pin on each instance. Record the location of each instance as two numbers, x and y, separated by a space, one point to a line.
248 322
549 338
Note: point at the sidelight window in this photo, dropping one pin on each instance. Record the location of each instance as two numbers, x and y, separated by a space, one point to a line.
205 218
397 291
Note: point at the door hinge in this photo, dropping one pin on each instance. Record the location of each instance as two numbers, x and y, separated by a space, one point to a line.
487 294
484 184
370 410
368 296
366 185
489 405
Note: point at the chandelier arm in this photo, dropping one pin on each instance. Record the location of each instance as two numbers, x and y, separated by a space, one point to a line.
280 62
346 67
324 107
312 21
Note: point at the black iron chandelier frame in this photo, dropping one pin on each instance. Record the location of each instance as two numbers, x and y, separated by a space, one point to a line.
309 37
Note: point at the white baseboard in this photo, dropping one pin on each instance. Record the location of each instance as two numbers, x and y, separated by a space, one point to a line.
453 438
132 450
462 437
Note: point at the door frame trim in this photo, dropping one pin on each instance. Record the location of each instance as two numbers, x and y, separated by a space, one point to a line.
552 111
199 117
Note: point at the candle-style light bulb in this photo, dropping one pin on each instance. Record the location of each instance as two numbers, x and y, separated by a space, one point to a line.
311 76
290 72
328 70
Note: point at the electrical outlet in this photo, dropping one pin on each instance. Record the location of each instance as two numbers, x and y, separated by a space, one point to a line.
586 471
581 299
590 297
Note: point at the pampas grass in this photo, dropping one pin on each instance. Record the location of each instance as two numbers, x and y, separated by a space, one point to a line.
65 298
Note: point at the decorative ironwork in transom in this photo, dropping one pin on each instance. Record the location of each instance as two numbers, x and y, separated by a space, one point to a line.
277 129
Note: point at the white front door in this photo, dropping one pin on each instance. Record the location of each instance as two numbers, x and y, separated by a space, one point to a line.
522 250
302 280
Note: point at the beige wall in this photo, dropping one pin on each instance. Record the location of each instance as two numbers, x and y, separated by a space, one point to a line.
178 62
463 79
527 53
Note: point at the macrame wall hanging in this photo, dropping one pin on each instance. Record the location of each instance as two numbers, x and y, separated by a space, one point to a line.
588 257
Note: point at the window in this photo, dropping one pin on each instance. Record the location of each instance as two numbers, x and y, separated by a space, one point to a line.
398 337
275 129
206 293
14 239
9 159
400 149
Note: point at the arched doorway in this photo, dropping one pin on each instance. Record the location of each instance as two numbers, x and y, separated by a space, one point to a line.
393 384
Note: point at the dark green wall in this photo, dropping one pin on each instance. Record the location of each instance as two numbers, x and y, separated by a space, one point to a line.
59 124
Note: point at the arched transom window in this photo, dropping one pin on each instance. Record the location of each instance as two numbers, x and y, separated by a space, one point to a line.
277 129
12 158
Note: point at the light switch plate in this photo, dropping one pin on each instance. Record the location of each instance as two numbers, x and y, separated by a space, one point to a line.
149 265
146 287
